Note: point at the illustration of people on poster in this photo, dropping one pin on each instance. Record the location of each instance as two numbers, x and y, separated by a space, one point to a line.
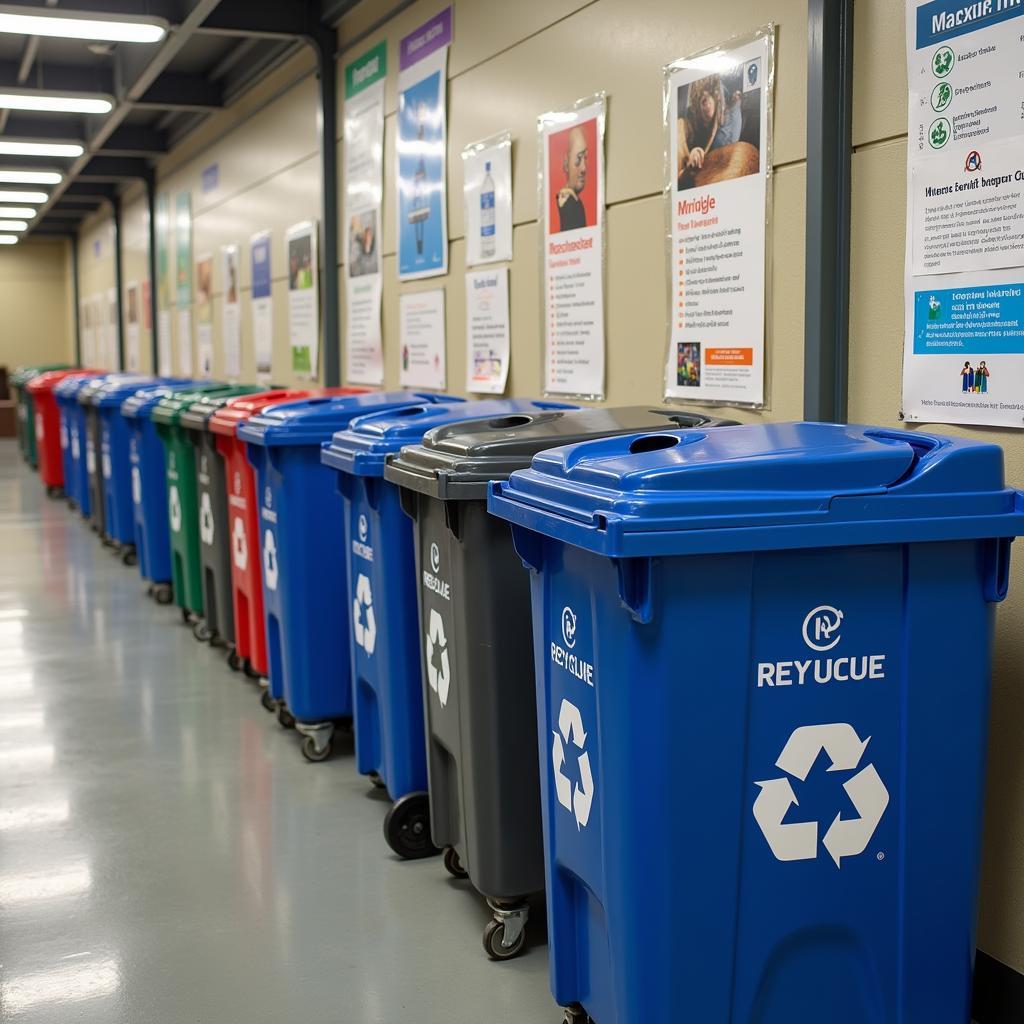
420 149
262 306
364 189
303 302
963 354
718 136
571 158
231 317
204 315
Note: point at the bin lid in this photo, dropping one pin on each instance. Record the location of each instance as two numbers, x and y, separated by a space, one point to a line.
49 379
457 462
314 420
140 404
364 446
225 420
169 409
67 389
761 487
21 375
91 391
112 394
197 415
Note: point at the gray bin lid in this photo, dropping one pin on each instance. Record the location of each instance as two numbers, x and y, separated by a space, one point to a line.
457 461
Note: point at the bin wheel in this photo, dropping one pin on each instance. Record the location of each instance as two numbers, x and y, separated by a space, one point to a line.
407 827
494 933
129 557
453 863
55 491
287 720
202 632
186 617
575 1014
250 671
163 593
309 747
235 662
268 702
377 780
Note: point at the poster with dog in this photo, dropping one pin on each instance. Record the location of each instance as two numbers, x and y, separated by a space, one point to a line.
717 107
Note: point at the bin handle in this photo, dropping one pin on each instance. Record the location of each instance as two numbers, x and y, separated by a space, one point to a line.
636 591
997 569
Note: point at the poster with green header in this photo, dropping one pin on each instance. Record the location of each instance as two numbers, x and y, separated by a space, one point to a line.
163 267
183 247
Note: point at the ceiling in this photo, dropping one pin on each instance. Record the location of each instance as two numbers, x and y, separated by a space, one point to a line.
214 51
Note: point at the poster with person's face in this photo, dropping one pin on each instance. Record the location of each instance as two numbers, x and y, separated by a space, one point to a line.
718 143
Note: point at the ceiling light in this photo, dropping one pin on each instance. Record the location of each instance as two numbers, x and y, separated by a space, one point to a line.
13 225
64 103
25 213
8 239
16 176
30 147
82 25
14 196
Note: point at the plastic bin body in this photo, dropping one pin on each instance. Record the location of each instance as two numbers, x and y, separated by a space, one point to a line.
51 440
243 523
302 550
381 599
66 397
762 766
25 407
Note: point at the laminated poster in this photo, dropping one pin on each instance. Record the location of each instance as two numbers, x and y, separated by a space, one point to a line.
487 331
364 188
165 364
113 319
183 248
422 332
487 191
204 316
147 305
185 342
718 165
420 149
963 349
303 302
231 325
132 298
164 294
262 306
571 175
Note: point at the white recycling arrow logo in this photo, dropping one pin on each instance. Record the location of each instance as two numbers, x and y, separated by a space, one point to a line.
107 469
577 799
362 607
64 441
239 545
270 560
845 837
76 451
206 518
439 678
174 508
39 426
136 485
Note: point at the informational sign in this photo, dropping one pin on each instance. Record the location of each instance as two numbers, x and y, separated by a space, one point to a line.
303 301
113 321
364 189
132 300
571 174
164 292
262 305
421 147
422 332
718 137
963 354
183 248
231 316
147 305
185 342
487 190
204 315
487 331
165 364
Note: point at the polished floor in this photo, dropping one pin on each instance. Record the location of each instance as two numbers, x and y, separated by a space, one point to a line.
166 854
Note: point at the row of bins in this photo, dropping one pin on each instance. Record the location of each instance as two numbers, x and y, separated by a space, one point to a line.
677 674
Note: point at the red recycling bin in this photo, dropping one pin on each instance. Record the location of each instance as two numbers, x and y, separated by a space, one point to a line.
243 522
47 425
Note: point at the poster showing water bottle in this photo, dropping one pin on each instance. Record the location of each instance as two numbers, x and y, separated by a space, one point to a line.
487 189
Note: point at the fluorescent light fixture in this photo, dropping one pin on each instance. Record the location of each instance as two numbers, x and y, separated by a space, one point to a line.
82 25
16 176
8 239
62 103
24 213
78 978
14 196
13 225
32 147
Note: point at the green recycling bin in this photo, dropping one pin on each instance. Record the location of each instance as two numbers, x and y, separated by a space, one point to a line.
25 421
182 507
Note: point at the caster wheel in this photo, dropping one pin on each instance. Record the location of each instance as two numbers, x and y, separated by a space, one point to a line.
377 780
162 593
286 719
129 557
453 865
309 749
268 702
250 671
202 632
186 616
576 1015
407 827
235 663
494 934
55 491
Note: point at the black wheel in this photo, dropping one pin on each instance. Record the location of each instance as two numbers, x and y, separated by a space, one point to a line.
494 933
268 702
310 752
377 780
186 616
250 671
55 491
285 717
453 865
202 632
129 557
163 593
576 1015
235 662
407 827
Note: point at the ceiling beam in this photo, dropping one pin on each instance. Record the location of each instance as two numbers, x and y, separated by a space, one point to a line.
85 191
181 92
114 168
134 140
58 77
267 18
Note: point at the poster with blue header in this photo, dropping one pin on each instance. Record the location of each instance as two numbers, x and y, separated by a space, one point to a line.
421 148
963 358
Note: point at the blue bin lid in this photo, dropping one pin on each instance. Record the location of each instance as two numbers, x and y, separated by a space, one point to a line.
141 402
69 387
92 390
760 487
113 393
314 420
363 448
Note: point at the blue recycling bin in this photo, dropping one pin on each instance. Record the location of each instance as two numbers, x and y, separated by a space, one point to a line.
148 482
763 657
384 638
303 557
72 439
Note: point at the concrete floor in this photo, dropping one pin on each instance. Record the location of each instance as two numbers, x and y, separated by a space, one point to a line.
166 854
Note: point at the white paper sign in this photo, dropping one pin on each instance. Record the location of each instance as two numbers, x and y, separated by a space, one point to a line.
422 329
113 330
204 346
163 343
572 248
262 305
487 331
487 190
963 354
132 355
719 137
185 341
231 320
303 300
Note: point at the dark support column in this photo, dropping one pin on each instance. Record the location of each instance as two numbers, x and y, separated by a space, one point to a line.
150 179
75 298
829 133
118 281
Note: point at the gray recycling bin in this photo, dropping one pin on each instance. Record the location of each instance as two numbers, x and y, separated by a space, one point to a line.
476 646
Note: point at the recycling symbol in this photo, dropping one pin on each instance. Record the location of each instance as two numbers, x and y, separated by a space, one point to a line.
136 485
90 457
239 545
366 634
576 799
76 451
39 426
174 508
63 435
206 518
106 464
439 679
846 837
238 482
270 560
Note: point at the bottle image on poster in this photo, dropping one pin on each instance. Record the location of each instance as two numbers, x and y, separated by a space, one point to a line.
487 195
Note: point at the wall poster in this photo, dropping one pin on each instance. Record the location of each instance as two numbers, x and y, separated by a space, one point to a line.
132 316
488 337
963 348
718 122
262 306
303 301
487 191
113 320
231 316
422 333
204 316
